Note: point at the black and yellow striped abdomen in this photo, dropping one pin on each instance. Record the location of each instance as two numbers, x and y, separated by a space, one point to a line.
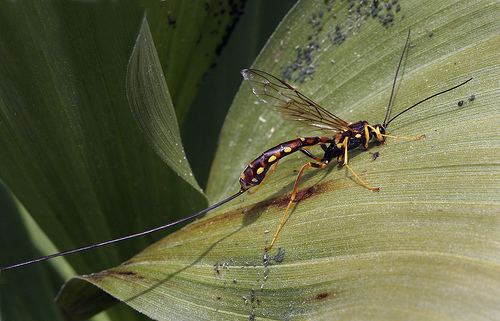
255 172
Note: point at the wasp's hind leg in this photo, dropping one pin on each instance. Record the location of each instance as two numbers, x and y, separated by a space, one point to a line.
292 199
344 160
361 181
308 154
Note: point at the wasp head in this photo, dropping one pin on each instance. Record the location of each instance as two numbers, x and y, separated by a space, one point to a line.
378 131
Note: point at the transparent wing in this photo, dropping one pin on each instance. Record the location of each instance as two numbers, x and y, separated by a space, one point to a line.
291 103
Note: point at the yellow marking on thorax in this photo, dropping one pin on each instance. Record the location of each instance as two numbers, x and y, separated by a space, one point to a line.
378 135
367 136
260 170
287 150
271 159
302 138
339 145
337 137
358 136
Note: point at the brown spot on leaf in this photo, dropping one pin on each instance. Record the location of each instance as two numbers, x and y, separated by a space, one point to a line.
246 214
305 193
321 296
115 273
302 195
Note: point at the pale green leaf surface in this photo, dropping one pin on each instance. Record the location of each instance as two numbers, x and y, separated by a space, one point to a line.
425 247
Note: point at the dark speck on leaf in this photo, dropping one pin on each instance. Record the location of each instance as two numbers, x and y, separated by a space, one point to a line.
338 36
252 295
303 66
280 255
171 21
374 8
460 103
322 296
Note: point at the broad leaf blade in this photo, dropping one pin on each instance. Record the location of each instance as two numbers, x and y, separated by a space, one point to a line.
425 247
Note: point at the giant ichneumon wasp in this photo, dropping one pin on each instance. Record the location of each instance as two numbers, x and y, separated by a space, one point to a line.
296 106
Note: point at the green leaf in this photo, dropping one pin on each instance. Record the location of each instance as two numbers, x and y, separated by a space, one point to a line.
39 282
220 83
151 105
424 247
57 157
187 46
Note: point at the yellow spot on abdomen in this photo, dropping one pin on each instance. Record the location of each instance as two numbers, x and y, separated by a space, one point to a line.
260 170
339 145
271 159
287 150
302 139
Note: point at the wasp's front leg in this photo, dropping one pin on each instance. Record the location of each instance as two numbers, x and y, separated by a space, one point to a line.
362 182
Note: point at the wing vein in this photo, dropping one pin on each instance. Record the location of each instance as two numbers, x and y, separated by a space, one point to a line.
291 103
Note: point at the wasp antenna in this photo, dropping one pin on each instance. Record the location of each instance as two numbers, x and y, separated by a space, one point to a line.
123 238
405 50
432 96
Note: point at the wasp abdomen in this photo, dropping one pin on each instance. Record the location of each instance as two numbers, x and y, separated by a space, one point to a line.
255 172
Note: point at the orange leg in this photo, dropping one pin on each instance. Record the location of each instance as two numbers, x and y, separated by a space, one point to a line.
409 138
292 198
271 172
361 181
